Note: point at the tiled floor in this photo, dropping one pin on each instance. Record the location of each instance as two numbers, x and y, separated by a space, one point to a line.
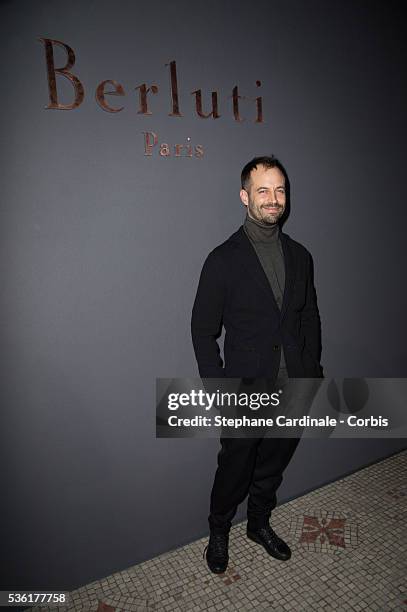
349 543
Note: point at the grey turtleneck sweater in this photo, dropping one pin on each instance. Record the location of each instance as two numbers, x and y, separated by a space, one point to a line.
266 242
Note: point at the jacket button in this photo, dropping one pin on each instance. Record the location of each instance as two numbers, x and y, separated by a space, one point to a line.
276 347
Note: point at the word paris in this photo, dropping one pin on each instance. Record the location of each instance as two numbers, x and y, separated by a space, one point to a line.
164 149
144 90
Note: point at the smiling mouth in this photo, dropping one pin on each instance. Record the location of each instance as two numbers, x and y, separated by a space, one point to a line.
272 208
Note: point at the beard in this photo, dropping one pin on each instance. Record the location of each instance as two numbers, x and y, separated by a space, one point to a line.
264 216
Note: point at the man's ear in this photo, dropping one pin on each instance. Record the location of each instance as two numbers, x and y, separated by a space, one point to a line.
244 196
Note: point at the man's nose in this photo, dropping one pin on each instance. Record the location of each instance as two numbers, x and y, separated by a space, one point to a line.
273 197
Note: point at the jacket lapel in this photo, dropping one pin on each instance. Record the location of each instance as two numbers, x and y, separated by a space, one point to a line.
248 259
250 262
289 264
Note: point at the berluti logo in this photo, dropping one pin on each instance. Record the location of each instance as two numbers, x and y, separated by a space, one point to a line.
110 87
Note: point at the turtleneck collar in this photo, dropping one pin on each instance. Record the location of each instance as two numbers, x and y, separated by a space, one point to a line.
261 232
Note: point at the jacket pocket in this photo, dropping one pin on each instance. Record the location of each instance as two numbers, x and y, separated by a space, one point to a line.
242 363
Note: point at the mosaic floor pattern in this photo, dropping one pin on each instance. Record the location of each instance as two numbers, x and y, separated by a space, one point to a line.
349 545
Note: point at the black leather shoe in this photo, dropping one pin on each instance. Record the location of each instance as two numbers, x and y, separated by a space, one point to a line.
275 546
217 552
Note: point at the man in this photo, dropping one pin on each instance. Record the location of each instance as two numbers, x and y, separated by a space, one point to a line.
259 285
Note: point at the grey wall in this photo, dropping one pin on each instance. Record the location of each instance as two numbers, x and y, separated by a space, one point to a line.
101 249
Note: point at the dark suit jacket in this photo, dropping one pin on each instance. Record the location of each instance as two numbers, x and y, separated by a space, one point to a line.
234 291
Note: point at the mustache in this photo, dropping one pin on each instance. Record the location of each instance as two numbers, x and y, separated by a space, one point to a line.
271 204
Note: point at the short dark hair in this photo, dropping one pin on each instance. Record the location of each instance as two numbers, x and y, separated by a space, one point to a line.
266 161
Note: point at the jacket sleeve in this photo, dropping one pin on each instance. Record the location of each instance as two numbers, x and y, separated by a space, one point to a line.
310 319
206 323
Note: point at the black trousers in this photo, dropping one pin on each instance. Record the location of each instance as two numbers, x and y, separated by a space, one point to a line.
252 466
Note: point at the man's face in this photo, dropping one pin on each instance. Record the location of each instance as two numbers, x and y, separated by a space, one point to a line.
265 195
